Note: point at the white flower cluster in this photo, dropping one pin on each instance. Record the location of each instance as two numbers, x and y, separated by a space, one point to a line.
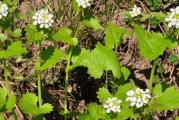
83 3
138 98
3 10
135 11
112 105
173 19
43 18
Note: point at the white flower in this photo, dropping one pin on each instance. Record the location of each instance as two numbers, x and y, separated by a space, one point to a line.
43 18
135 11
173 19
83 3
3 10
138 98
112 105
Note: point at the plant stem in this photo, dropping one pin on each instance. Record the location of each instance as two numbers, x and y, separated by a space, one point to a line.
66 82
106 82
152 76
7 83
39 77
6 77
67 70
77 29
39 88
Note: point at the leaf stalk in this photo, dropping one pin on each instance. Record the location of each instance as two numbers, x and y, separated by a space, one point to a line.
66 82
39 76
6 77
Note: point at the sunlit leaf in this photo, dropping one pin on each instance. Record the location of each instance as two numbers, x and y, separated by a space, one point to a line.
11 102
3 94
168 100
103 94
93 23
97 61
28 105
51 56
15 49
125 72
114 35
94 112
64 35
151 44
33 35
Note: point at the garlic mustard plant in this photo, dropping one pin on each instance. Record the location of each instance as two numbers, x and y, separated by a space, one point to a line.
138 97
3 10
135 11
112 105
43 18
83 3
173 19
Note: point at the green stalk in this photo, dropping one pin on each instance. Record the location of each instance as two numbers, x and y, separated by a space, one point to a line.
39 88
77 29
66 82
152 76
6 77
39 77
67 70
106 82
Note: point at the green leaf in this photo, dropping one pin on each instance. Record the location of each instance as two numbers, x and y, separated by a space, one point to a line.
8 104
177 118
168 100
11 102
97 61
125 114
3 95
173 59
33 35
122 91
15 49
103 94
94 112
28 104
113 35
51 56
155 4
160 16
127 111
157 90
64 35
1 116
16 33
93 23
151 45
154 22
170 44
125 72
75 6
